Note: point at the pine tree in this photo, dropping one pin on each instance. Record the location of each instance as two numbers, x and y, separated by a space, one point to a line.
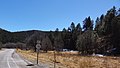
108 20
78 28
88 24
72 26
86 43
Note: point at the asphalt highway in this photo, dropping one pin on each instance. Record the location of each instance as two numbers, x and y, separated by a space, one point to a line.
10 59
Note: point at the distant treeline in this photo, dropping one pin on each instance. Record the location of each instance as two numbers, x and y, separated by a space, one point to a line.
102 38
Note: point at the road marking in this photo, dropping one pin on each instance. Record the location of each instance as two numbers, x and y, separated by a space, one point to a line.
8 63
14 62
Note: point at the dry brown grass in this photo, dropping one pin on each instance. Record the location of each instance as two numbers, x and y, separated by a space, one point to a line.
68 60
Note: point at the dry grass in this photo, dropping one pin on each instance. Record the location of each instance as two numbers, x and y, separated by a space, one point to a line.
66 60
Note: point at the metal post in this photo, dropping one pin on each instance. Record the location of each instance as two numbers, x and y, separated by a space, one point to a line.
37 56
54 59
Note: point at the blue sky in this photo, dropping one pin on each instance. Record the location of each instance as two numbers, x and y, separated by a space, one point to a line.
19 15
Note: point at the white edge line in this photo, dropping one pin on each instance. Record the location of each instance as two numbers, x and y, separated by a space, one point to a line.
14 62
8 63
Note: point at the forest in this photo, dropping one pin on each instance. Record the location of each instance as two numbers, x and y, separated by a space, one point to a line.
99 36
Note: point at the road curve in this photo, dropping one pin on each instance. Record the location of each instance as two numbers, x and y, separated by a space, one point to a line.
10 59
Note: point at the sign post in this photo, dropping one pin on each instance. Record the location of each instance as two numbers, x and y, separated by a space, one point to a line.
37 56
38 46
54 58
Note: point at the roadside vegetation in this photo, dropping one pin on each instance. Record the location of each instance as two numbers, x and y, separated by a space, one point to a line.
71 60
0 45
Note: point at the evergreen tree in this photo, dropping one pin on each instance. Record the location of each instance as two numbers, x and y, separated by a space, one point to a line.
72 26
66 36
88 24
57 30
64 30
78 28
58 41
108 20
116 32
86 43
118 12
69 29
99 25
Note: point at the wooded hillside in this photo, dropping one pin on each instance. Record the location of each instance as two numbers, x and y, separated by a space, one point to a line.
87 39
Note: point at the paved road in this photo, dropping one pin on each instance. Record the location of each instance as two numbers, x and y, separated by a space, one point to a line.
10 59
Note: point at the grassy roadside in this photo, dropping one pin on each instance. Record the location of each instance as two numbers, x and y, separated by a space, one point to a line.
72 61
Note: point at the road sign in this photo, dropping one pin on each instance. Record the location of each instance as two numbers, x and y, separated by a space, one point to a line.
38 42
38 46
